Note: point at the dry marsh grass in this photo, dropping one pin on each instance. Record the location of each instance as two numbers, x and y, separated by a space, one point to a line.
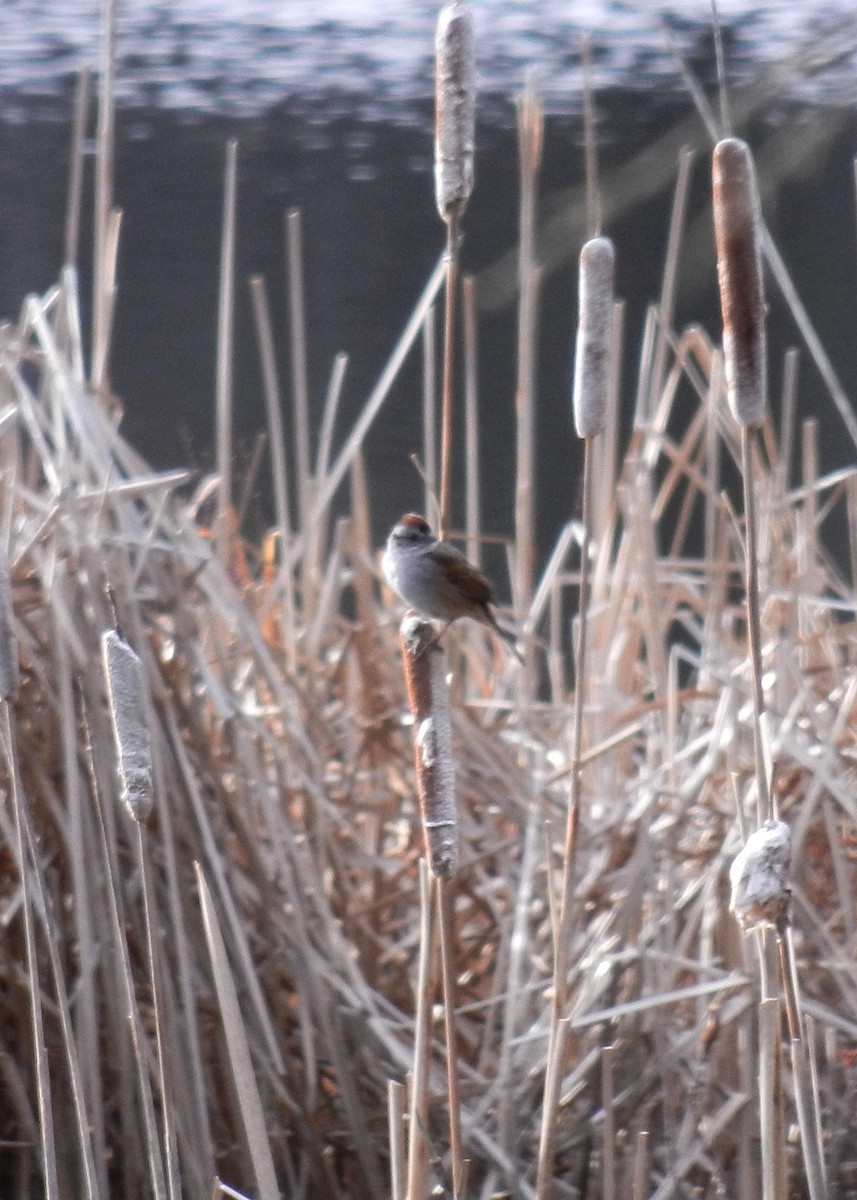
234 994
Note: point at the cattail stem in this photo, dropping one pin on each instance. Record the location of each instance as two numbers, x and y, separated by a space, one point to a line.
75 179
530 134
471 422
448 356
445 897
418 1108
279 459
754 627
562 957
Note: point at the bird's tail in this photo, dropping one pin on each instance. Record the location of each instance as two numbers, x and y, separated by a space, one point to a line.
508 635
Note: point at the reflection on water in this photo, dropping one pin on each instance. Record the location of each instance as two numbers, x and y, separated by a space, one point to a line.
239 56
357 161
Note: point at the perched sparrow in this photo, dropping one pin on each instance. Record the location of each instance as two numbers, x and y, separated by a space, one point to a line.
436 578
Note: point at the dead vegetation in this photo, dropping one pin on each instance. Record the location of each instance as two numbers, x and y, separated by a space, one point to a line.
240 986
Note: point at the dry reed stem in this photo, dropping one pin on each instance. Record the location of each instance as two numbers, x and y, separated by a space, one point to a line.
472 482
296 791
447 399
279 460
298 348
530 136
252 1111
103 207
75 177
430 500
225 333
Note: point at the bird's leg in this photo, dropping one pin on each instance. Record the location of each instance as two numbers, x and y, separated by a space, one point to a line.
435 641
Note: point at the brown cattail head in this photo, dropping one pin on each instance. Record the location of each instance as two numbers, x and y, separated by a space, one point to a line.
759 876
455 109
126 696
9 675
594 336
737 227
428 696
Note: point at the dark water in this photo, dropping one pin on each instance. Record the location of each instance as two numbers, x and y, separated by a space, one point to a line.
360 171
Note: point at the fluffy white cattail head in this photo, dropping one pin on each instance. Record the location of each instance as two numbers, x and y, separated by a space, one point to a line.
455 109
759 876
126 695
737 227
594 336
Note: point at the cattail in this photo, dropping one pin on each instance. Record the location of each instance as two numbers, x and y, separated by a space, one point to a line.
737 227
759 876
8 641
126 696
455 109
425 677
594 337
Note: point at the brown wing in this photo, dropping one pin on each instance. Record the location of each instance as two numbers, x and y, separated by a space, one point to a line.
463 576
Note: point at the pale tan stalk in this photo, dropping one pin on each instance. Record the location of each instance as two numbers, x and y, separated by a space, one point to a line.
396 1098
590 142
103 191
298 346
39 1044
562 959
374 401
530 135
225 333
668 286
788 405
471 422
75 179
419 1087
430 417
279 460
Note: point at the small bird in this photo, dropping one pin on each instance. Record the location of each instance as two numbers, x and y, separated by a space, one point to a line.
436 578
